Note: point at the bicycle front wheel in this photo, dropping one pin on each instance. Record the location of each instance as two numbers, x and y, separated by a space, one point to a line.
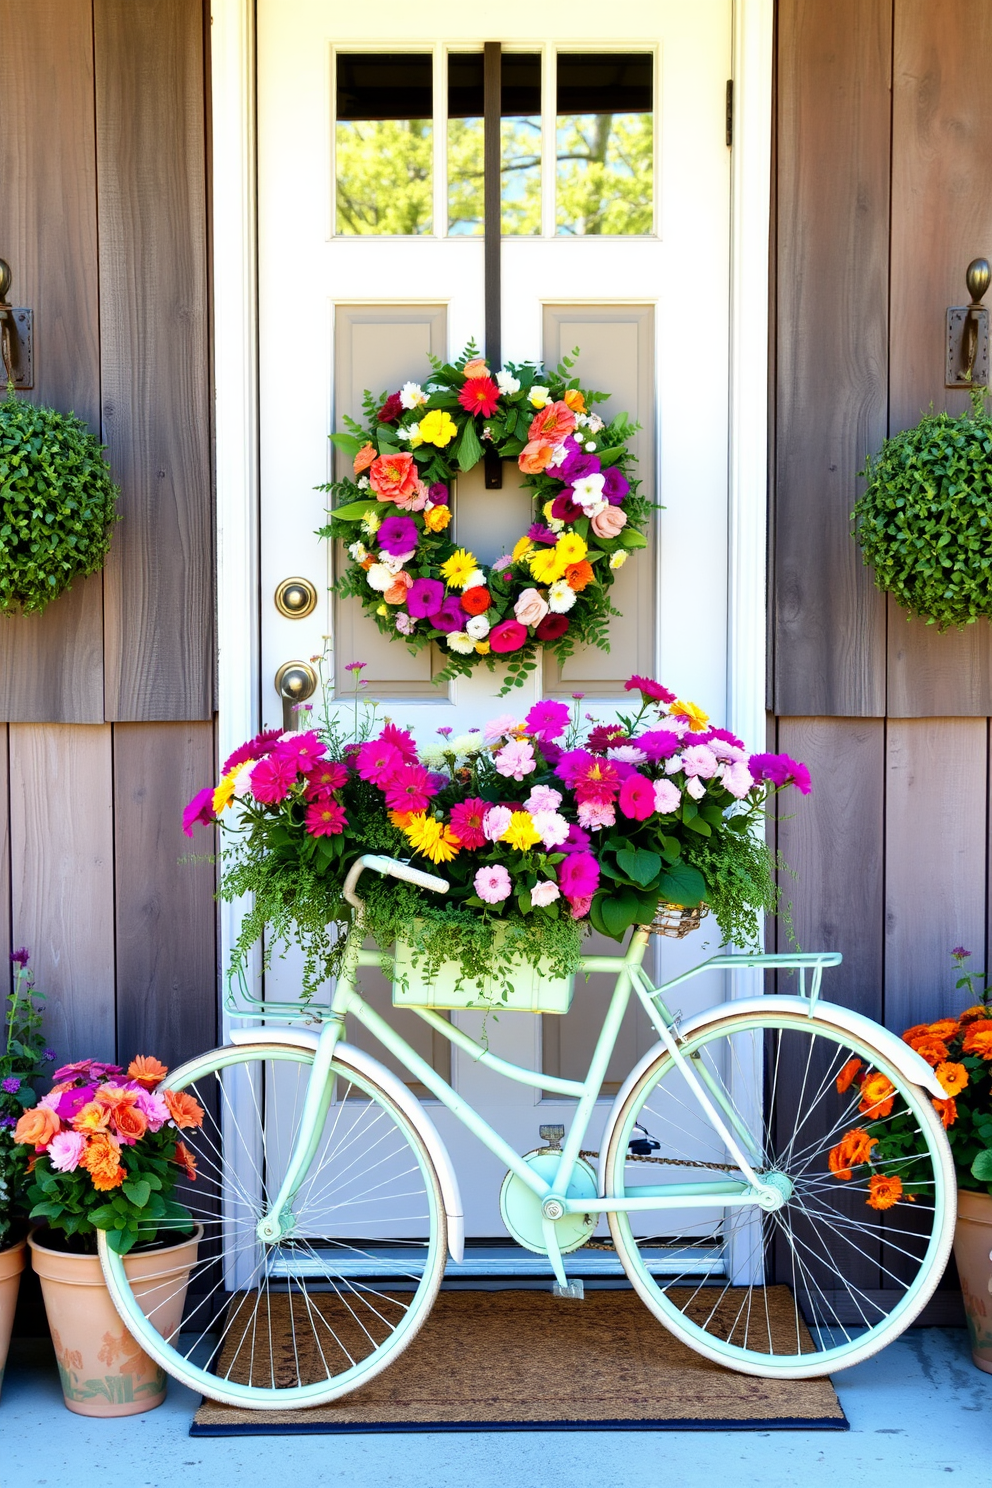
305 1319
856 1249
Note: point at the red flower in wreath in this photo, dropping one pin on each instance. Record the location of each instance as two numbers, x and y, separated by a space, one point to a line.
552 628
476 600
479 395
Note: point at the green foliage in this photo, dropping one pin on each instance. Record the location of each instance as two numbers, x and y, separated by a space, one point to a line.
384 176
22 1055
57 504
132 1214
925 520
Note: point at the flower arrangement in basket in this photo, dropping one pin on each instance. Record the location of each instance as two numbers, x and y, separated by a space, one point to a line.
22 1055
107 1153
545 826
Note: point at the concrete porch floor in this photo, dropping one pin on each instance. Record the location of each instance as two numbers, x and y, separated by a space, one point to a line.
919 1412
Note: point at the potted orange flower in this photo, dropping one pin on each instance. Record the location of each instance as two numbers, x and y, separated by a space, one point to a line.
104 1151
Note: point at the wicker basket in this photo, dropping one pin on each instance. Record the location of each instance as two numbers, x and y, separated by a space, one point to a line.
677 921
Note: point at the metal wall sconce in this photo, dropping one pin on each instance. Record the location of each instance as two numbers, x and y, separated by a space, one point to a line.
968 332
16 336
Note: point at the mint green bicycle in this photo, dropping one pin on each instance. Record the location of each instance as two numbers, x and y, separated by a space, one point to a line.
328 1204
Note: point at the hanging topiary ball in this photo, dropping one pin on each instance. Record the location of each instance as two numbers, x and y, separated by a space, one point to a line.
925 521
57 504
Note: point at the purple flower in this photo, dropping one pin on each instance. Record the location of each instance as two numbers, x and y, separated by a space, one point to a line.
398 535
552 752
424 597
576 464
538 533
547 720
438 493
8 1120
355 666
658 744
11 1084
48 1054
22 956
961 952
615 485
449 617
780 770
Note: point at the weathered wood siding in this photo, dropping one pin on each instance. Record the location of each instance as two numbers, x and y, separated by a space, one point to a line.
107 699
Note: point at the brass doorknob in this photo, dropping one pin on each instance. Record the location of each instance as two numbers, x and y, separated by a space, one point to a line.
295 682
296 598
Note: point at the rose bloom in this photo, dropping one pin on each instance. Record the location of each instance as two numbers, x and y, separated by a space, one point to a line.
397 591
552 628
393 475
609 523
130 1123
37 1127
531 607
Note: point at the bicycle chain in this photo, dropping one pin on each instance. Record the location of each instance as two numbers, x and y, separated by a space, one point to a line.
674 1162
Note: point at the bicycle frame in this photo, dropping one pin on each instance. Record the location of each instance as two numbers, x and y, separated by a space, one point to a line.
750 1189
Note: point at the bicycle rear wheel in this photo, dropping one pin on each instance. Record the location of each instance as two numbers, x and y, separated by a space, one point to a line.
312 1316
826 1280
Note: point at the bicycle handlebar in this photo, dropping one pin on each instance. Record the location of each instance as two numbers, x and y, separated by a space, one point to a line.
394 869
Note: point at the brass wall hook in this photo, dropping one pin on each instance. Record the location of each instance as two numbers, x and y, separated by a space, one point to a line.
16 336
968 332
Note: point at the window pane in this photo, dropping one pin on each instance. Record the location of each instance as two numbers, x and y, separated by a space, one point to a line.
383 140
520 143
605 128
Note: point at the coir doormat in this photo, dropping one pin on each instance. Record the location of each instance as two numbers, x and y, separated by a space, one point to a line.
528 1361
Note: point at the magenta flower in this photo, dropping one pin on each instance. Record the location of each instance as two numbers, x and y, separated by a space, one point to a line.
564 509
355 666
649 689
727 737
571 762
547 720
577 464
200 809
408 788
302 750
637 798
22 956
424 597
376 760
71 1102
397 535
597 781
492 884
615 485
659 744
578 876
515 760
73 1071
576 841
272 779
254 749
537 532
65 1150
400 739
325 819
605 735
327 775
961 952
450 617
467 821
780 770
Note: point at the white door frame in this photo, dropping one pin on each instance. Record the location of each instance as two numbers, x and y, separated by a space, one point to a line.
236 380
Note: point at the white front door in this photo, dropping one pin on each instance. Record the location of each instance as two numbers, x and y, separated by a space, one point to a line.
616 220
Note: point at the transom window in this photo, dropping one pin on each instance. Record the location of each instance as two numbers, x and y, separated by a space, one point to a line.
577 144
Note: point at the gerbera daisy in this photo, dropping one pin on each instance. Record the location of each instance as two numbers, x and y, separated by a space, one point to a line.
459 568
479 395
432 838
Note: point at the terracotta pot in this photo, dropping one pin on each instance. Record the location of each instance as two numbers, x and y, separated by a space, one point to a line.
972 1247
12 1262
103 1371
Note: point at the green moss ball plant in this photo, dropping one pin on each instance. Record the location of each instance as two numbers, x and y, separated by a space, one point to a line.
57 504
924 522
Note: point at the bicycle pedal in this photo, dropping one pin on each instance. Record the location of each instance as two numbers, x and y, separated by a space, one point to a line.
552 1135
574 1291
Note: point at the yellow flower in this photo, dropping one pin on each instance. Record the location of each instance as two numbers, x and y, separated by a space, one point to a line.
224 794
570 548
459 568
521 833
482 648
371 522
431 838
618 559
692 713
574 400
438 427
523 549
381 610
539 397
437 518
547 565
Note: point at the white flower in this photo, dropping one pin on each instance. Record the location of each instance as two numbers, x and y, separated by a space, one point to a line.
380 577
560 596
542 798
695 788
699 760
507 383
581 419
627 754
544 893
405 623
434 755
468 743
412 395
477 627
462 642
475 580
552 827
673 764
594 423
587 491
558 454
555 523
618 559
358 551
539 397
242 781
363 482
590 446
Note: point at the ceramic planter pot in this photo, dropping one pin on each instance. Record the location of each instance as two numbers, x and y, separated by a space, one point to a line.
972 1245
12 1262
103 1370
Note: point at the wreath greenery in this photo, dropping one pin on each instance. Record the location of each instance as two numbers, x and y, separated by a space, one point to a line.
57 504
925 521
394 514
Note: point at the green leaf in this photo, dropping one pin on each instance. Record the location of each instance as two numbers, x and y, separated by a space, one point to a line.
138 1192
120 1241
105 1217
468 451
348 443
682 885
618 912
630 538
354 511
981 1168
639 864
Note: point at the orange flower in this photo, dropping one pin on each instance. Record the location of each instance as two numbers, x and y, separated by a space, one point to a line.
837 1161
877 1096
364 458
917 1030
552 423
884 1191
130 1123
575 401
401 819
930 1048
476 368
396 593
953 1077
975 1014
846 1077
37 1127
476 601
147 1071
535 456
185 1160
101 1160
978 1040
393 475
944 1028
93 1117
947 1110
183 1109
578 575
437 518
113 1096
853 1149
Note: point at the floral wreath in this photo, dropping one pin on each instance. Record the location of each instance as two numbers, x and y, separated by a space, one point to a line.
393 516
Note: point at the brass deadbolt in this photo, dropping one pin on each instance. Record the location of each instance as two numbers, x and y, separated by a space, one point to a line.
296 598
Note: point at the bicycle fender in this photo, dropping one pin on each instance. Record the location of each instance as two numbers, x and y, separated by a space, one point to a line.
367 1065
905 1059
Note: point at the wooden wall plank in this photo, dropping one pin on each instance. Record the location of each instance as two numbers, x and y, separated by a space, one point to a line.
936 861
51 665
62 892
165 910
152 205
941 219
833 840
832 294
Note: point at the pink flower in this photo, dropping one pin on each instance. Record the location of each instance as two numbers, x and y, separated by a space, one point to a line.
496 821
377 760
516 760
467 822
500 728
416 500
658 744
547 720
578 876
650 689
595 814
780 770
509 635
65 1150
581 906
254 749
409 788
637 797
492 884
552 827
200 809
327 775
544 893
531 607
609 522
699 759
543 798
737 779
153 1108
325 819
596 781
272 778
666 797
626 754
724 751
400 739
304 750
695 788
